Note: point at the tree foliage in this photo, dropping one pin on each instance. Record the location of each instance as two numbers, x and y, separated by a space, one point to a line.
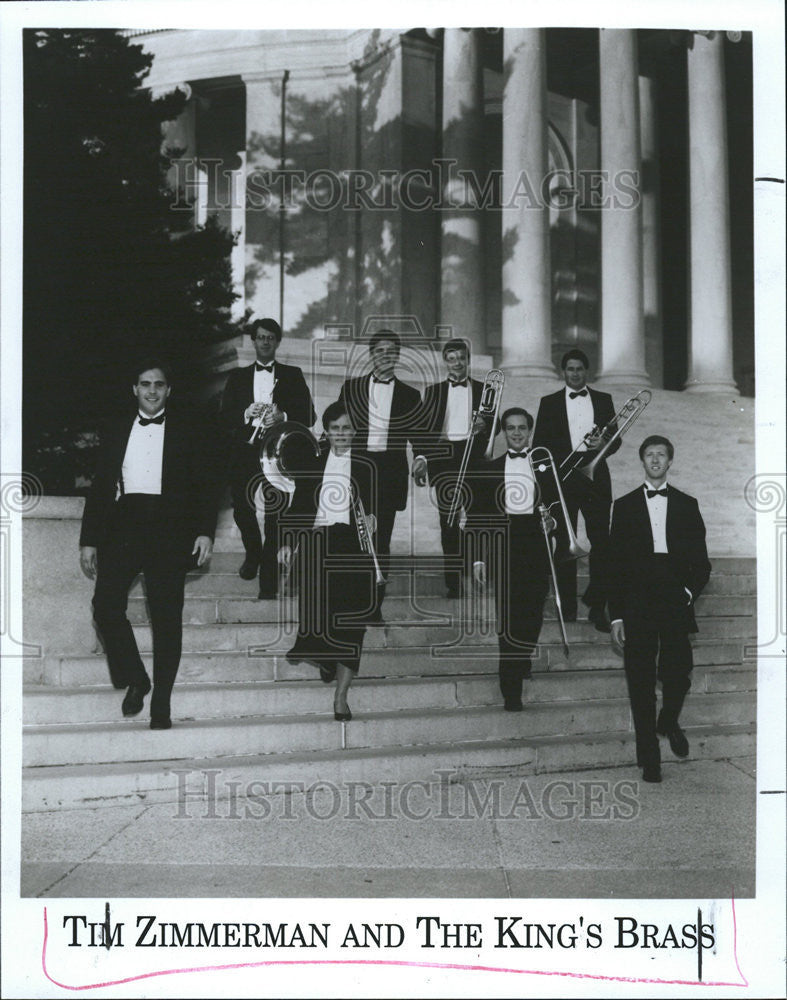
111 271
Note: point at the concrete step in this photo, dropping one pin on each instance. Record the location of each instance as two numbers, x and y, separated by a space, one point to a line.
247 610
428 583
66 786
130 740
276 638
48 706
239 666
229 561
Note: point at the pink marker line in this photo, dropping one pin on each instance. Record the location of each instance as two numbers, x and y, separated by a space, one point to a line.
393 962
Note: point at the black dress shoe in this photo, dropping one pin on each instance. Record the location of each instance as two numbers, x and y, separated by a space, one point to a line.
135 698
679 745
161 722
513 706
343 716
652 773
599 618
327 673
248 568
266 594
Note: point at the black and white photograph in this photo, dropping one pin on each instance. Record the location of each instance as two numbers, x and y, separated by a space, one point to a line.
393 501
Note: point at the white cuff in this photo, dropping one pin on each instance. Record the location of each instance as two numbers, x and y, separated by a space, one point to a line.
615 622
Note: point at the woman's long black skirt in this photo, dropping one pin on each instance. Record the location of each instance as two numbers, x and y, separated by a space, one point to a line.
336 592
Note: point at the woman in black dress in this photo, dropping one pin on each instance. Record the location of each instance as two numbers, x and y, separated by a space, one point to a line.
336 590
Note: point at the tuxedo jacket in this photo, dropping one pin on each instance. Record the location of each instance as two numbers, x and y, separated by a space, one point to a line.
551 430
308 483
631 543
433 417
404 426
189 492
486 496
290 394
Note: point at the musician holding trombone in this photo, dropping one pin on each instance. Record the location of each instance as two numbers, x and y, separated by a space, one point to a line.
575 423
255 398
505 531
329 529
447 430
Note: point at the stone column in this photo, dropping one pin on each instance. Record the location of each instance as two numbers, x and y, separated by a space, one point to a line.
710 339
462 265
527 279
651 232
263 137
622 328
238 226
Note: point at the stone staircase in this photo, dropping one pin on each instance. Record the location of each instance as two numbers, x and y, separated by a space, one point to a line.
426 700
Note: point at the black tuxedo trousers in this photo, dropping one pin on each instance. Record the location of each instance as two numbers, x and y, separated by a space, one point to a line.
140 540
657 647
521 584
582 494
245 476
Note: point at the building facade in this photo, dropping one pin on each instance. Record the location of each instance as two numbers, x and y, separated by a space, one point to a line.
529 189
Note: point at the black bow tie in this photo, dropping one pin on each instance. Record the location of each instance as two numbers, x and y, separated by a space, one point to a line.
263 368
463 383
655 493
517 454
382 381
144 421
573 395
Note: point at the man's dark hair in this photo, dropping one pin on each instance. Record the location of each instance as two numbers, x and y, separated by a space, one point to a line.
379 335
574 355
332 412
457 344
147 364
265 324
657 439
516 411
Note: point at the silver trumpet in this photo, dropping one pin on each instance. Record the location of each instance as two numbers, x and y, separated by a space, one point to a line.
611 432
364 535
488 405
541 460
259 429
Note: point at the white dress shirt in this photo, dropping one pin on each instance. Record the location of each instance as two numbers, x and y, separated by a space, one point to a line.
262 391
141 469
333 507
520 487
580 416
380 399
458 411
657 512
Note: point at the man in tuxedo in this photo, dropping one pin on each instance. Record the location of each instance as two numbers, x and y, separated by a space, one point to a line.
256 397
504 529
658 568
447 413
385 413
565 420
151 509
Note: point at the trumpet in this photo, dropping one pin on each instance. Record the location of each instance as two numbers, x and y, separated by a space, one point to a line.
611 432
488 405
541 460
259 428
364 535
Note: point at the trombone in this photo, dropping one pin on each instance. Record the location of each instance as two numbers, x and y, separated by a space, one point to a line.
541 460
364 535
615 429
488 405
